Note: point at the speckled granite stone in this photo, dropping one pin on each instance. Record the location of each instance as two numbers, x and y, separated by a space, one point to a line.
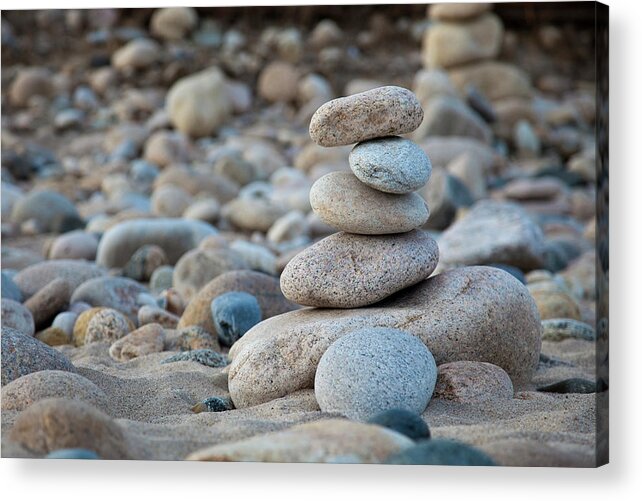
343 202
349 271
469 381
373 370
384 111
23 355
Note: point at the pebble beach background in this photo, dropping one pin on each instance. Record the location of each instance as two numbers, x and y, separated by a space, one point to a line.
173 179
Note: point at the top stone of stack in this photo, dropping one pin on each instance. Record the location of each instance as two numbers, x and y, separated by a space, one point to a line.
457 11
380 112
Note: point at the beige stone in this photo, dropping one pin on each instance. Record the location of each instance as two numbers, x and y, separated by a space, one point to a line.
476 313
348 271
326 441
345 203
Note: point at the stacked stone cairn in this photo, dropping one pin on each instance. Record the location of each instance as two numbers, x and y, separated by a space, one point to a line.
379 322
378 251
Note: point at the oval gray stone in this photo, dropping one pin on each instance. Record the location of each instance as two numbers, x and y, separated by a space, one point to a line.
475 313
380 112
174 236
18 317
349 271
390 164
343 202
74 272
112 292
373 370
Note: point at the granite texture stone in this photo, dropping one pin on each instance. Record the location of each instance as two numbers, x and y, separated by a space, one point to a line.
384 111
390 164
344 202
372 370
475 313
349 271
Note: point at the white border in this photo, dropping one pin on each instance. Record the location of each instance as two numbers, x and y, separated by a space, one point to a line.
52 480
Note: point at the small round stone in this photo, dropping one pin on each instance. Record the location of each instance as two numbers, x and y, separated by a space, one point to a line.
404 422
53 336
173 23
144 262
74 245
65 321
207 357
234 313
31 388
213 404
9 289
441 452
471 381
107 325
372 370
161 279
390 164
155 315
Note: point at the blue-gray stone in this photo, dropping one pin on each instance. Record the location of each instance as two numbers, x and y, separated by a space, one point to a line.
441 452
402 421
162 279
143 171
234 313
72 454
573 385
9 289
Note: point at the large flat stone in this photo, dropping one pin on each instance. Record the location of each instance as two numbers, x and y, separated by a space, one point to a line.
476 313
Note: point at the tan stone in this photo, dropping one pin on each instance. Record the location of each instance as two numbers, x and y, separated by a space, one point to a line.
57 423
348 271
345 203
326 441
475 313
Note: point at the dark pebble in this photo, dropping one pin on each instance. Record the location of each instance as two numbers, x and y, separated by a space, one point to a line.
573 385
478 102
441 452
213 404
404 422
